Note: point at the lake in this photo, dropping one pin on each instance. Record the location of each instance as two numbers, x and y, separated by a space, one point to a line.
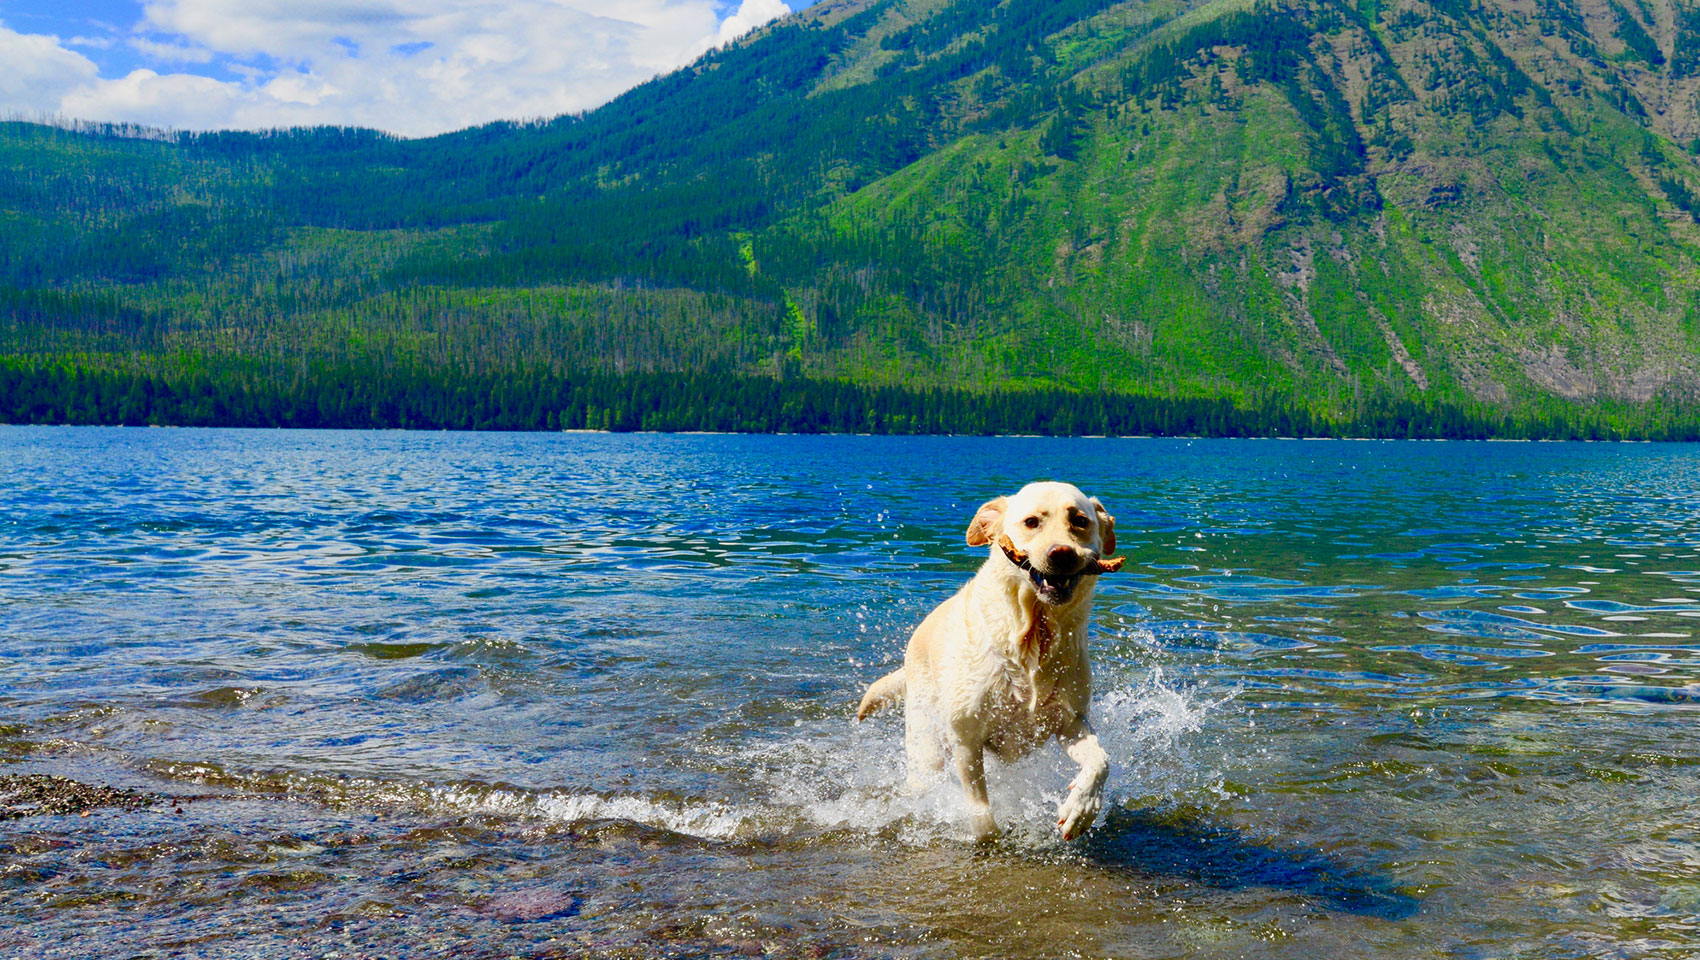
416 694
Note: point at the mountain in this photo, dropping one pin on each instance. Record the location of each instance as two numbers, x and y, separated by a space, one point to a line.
1320 206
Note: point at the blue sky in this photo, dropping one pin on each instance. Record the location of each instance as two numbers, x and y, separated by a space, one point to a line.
413 67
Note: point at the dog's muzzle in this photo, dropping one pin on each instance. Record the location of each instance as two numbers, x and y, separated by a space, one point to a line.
1056 587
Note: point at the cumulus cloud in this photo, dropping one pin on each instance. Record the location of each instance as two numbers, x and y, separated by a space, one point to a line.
39 72
751 14
146 97
414 67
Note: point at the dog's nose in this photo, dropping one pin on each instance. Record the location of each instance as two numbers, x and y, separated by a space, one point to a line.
1062 557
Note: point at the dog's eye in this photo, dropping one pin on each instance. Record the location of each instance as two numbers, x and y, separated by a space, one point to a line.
1078 521
1032 523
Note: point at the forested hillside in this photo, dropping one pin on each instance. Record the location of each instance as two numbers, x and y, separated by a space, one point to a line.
1427 218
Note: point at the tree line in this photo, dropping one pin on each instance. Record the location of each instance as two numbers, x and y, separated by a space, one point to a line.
424 398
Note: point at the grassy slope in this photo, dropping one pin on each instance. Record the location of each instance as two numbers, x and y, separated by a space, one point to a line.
1508 257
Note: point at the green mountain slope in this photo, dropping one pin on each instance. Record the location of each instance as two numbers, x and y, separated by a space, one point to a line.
1315 204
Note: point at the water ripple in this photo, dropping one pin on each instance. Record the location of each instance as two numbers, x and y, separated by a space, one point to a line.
630 658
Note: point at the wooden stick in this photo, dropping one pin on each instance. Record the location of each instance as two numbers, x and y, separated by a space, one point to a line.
1100 566
1015 556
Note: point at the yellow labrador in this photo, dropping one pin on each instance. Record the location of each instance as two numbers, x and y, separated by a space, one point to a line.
1001 666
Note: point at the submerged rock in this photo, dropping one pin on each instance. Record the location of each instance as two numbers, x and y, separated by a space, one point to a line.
31 794
531 905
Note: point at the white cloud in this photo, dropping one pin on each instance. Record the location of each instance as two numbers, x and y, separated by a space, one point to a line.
294 29
170 52
143 96
39 71
413 67
751 14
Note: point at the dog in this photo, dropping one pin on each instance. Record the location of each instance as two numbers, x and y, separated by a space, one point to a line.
1002 665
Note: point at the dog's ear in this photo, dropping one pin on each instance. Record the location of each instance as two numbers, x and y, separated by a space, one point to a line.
1107 524
986 521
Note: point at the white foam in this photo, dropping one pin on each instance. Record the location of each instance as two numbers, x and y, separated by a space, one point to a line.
831 775
835 776
707 819
713 821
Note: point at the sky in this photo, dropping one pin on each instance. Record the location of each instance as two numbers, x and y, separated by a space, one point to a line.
411 67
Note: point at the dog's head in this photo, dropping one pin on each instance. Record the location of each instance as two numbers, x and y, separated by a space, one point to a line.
1060 531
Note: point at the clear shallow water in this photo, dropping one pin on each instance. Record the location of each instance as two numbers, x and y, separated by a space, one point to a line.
591 695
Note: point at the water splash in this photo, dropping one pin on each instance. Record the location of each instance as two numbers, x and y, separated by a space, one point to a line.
826 778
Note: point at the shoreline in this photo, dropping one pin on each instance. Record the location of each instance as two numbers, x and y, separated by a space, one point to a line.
832 433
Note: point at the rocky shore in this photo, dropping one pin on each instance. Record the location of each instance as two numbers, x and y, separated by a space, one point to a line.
25 795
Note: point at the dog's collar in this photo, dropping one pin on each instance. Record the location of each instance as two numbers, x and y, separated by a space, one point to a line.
1020 559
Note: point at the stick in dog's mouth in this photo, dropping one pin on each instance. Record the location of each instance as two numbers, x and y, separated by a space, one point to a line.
1099 565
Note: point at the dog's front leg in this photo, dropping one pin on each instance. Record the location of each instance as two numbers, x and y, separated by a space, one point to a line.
971 768
1085 791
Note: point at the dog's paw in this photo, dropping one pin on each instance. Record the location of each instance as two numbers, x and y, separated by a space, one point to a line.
1077 811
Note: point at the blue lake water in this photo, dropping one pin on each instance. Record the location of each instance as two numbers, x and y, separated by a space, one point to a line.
591 695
